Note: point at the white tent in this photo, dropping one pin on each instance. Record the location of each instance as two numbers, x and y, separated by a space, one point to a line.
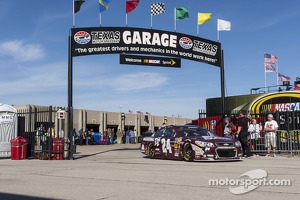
8 128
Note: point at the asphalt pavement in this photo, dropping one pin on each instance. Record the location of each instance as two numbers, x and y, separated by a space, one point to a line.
120 171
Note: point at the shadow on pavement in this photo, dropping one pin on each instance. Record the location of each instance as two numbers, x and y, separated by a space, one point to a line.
76 156
7 196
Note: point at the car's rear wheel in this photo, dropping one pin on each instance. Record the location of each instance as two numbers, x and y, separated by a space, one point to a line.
151 151
188 152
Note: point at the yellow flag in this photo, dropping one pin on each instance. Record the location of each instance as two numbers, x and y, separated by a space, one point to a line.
203 17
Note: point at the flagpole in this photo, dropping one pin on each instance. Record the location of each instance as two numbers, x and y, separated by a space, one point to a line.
277 71
265 78
175 19
100 18
151 21
126 19
265 73
218 30
197 29
73 15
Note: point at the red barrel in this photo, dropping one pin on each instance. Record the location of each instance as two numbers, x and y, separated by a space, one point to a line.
18 148
57 148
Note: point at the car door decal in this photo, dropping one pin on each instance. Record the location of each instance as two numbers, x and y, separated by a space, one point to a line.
166 145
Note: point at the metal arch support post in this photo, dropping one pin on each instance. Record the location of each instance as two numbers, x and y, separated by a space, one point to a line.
222 74
70 96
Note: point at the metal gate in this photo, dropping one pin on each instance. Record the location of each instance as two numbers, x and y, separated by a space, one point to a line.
39 125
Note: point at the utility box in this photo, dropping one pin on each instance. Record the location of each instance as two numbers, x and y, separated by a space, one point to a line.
8 128
57 148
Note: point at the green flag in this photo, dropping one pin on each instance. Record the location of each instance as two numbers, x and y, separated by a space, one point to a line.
181 13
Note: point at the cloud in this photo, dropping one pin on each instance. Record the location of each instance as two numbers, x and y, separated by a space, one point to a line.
137 81
35 79
270 21
21 52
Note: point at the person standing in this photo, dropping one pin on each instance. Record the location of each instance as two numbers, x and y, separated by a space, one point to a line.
39 135
112 135
87 136
119 136
254 130
109 135
75 137
135 136
228 128
131 137
123 136
80 133
92 134
270 129
242 132
51 132
127 134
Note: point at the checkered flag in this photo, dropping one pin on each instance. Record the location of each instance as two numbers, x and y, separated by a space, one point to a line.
157 8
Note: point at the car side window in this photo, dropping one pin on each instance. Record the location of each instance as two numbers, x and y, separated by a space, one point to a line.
158 133
168 132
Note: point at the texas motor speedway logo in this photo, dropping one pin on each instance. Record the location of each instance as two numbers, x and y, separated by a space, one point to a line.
82 37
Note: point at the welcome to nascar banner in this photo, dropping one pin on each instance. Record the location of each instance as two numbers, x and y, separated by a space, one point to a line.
111 40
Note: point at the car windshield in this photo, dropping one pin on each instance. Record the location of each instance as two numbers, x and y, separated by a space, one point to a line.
195 131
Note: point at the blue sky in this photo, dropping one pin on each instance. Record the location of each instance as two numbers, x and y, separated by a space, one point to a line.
33 54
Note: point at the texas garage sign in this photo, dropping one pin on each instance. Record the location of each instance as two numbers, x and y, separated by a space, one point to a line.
118 40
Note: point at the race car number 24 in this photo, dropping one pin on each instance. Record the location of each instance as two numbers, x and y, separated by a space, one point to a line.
165 144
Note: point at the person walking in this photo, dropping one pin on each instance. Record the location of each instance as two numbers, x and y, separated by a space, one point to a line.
270 129
242 134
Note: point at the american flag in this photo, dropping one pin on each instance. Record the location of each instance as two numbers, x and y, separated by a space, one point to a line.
269 58
282 77
130 111
269 68
147 113
139 112
157 8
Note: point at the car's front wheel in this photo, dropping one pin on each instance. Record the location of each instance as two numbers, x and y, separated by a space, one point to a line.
151 151
188 152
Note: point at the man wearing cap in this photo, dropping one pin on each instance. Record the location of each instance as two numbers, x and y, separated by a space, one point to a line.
271 127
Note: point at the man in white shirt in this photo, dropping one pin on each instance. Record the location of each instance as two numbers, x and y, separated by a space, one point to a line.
271 127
